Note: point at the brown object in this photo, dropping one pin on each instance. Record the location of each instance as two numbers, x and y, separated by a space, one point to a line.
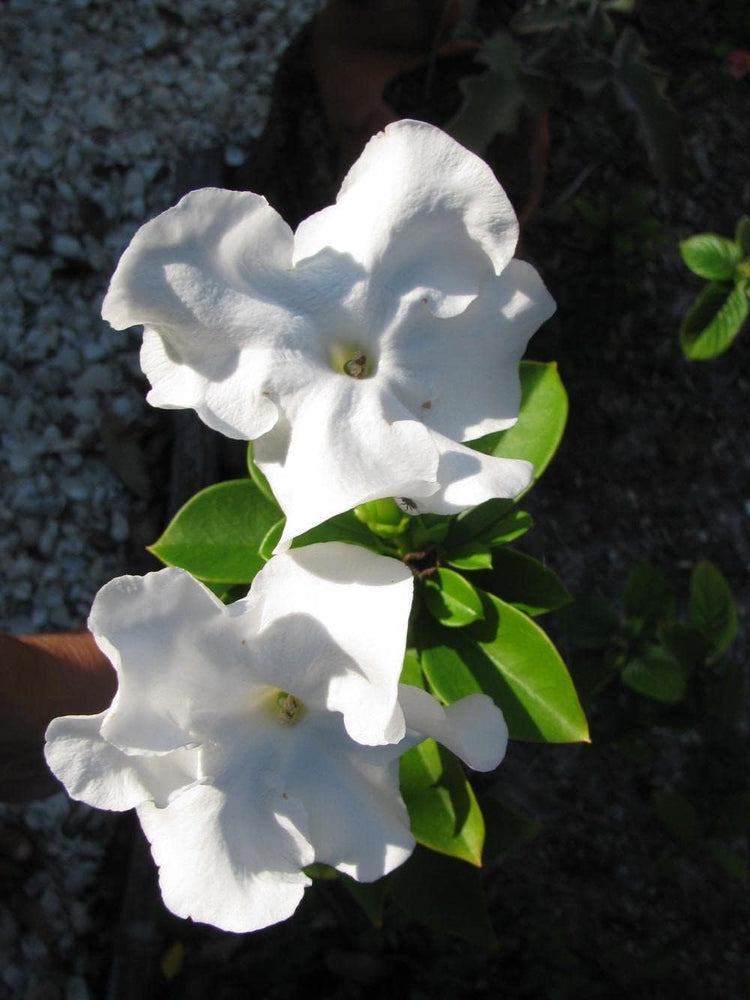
41 677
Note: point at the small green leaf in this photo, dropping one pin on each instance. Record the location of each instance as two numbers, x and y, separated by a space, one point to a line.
218 533
271 539
444 894
686 645
713 321
590 622
742 236
710 256
411 672
649 595
371 896
492 523
443 811
676 813
471 556
712 609
656 675
541 422
525 583
451 599
508 657
257 476
341 528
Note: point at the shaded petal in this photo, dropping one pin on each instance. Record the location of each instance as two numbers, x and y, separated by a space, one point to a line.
346 442
467 478
460 375
351 662
226 855
358 822
167 637
212 282
94 771
473 728
419 212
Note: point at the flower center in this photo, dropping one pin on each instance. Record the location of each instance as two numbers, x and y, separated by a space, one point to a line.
289 710
351 360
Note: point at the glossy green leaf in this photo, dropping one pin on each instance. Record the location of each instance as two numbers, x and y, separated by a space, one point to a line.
271 539
492 524
451 599
444 894
411 672
712 609
443 811
257 476
508 657
710 256
471 556
218 533
539 429
713 321
656 675
341 528
523 581
649 595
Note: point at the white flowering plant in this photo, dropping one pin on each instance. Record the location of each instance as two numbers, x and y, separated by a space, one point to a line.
315 725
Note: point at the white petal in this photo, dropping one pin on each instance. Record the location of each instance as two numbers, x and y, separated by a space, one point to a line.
358 822
473 728
94 771
176 659
460 375
362 601
419 211
467 478
226 857
346 443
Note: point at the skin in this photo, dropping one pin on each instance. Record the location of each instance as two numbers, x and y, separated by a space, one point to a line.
42 677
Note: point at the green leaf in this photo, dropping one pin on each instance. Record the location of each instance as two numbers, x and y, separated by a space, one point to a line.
713 321
341 528
443 811
492 523
451 599
742 236
506 828
371 896
257 476
539 429
649 595
271 539
685 644
471 556
218 533
641 89
444 894
508 657
656 675
710 256
411 672
712 609
590 622
676 813
524 582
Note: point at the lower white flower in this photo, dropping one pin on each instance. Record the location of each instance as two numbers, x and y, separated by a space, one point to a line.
256 738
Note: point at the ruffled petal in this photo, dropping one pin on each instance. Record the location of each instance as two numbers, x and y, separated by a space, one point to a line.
358 822
212 282
94 771
230 856
167 637
460 375
467 478
473 728
419 212
345 443
333 620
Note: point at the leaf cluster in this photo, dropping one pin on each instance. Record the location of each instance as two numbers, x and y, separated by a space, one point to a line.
721 309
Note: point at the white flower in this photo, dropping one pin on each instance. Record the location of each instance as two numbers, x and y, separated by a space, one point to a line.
357 352
257 738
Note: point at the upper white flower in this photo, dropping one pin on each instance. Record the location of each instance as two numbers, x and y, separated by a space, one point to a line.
357 352
256 738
